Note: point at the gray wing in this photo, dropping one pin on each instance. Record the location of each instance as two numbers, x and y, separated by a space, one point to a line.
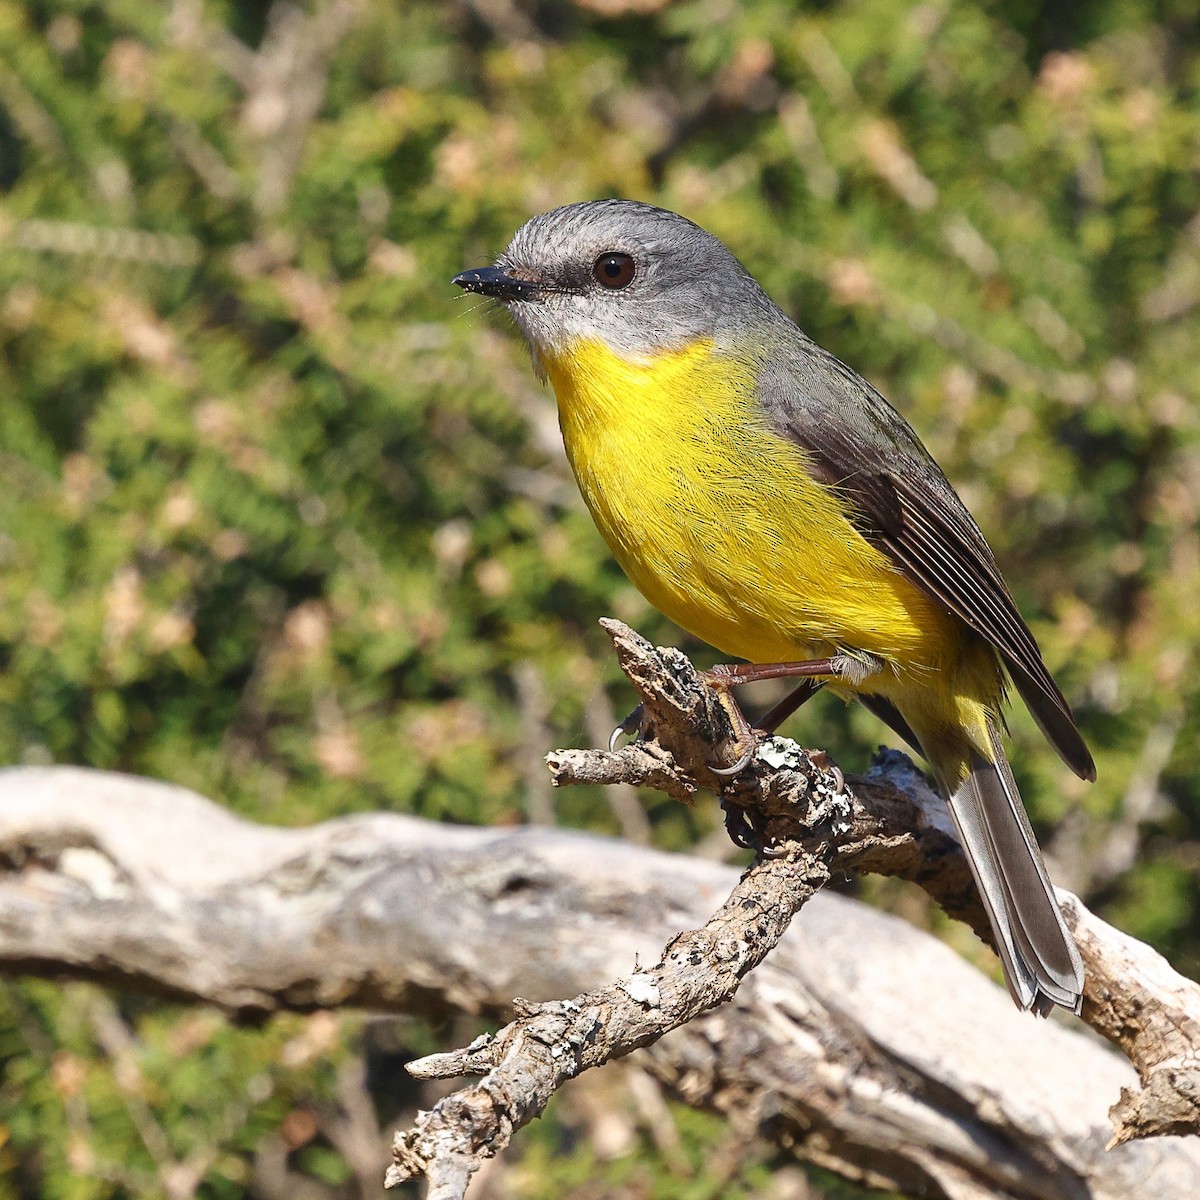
901 502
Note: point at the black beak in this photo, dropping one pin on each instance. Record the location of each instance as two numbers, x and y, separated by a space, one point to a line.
495 281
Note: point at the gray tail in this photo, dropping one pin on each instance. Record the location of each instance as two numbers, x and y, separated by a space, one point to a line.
1041 963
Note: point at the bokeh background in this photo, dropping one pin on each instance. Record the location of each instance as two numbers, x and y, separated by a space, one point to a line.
286 520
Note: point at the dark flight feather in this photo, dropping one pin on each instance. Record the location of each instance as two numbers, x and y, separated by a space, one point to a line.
901 502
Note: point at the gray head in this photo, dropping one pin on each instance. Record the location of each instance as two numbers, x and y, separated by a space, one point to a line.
638 278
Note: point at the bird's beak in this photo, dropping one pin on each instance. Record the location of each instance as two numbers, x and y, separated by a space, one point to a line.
497 282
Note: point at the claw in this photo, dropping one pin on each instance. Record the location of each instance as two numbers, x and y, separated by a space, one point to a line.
743 832
631 724
822 760
774 851
740 830
746 736
738 767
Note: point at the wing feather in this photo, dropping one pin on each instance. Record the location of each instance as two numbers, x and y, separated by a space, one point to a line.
900 500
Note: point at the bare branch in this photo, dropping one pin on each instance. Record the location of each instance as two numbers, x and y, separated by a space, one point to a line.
799 813
861 1043
1132 996
548 1044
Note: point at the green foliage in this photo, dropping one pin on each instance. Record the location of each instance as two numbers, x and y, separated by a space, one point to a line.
284 519
710 1162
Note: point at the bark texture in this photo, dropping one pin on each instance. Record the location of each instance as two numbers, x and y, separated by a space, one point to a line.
861 1043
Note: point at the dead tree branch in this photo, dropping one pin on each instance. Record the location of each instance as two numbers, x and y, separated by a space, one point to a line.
785 797
548 1044
861 1044
895 824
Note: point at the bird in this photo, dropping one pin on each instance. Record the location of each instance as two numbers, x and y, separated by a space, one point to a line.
767 499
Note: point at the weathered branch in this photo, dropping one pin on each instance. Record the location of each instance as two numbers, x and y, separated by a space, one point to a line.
861 1043
895 824
783 796
549 1044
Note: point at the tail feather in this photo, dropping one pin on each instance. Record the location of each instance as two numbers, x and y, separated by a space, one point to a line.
1042 966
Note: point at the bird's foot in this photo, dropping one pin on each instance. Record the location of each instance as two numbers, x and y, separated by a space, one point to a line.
744 832
631 725
746 737
724 677
822 760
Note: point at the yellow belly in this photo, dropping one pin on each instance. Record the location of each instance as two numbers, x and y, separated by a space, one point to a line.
717 521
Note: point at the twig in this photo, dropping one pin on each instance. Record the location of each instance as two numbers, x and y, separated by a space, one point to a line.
861 1043
548 1044
807 826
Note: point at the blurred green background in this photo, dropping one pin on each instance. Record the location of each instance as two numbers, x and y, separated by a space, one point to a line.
285 519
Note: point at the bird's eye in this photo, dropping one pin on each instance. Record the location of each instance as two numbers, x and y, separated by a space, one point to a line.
614 270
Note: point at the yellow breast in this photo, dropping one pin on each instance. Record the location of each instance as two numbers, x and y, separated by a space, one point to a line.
716 518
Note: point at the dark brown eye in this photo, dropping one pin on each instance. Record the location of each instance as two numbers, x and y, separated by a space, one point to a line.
614 270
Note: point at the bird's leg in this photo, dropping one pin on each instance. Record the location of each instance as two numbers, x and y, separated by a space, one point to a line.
726 676
774 717
764 726
731 675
